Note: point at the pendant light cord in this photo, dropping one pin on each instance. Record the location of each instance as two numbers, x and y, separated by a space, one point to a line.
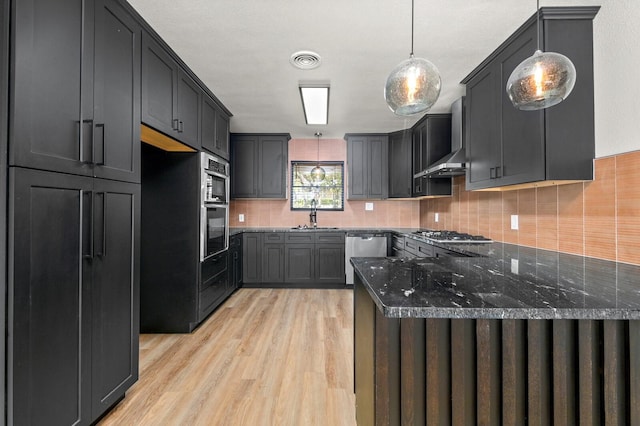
411 54
538 22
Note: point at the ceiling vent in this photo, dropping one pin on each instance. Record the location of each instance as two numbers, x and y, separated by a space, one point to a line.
305 60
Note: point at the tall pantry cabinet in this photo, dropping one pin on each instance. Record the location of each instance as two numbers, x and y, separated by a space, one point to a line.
73 209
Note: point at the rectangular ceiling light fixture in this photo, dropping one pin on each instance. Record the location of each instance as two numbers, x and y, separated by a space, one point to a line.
315 102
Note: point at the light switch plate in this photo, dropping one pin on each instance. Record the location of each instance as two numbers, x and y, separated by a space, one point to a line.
437 218
514 221
368 207
240 217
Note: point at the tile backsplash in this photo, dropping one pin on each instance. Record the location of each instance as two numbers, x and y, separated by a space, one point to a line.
597 219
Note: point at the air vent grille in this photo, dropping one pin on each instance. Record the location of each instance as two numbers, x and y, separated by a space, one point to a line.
305 60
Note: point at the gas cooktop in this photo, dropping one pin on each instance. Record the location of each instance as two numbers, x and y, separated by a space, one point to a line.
451 237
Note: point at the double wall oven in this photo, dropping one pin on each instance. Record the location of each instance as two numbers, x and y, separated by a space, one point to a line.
214 223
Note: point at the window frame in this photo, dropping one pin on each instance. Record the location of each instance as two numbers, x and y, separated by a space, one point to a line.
321 164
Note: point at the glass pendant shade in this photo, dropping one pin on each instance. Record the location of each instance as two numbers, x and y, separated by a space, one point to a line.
540 81
412 87
317 174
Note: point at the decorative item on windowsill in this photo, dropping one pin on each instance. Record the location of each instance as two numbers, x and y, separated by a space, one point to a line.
542 80
317 173
414 85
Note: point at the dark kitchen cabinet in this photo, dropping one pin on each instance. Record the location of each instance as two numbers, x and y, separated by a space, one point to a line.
368 166
235 262
214 283
273 257
214 127
508 147
73 285
431 141
300 263
329 263
251 257
259 165
76 102
170 98
400 177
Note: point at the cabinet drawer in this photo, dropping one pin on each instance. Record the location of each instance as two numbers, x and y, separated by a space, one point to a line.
273 237
425 250
212 267
235 241
411 246
330 237
299 237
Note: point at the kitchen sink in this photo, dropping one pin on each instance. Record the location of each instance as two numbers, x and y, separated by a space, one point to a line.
319 228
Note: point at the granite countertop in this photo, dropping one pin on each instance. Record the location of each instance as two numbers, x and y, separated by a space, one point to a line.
236 230
505 282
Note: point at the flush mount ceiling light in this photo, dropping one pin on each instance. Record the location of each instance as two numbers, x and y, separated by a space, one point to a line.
542 80
317 173
414 85
305 60
315 102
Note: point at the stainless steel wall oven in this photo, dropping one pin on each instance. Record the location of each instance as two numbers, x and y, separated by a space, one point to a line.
214 224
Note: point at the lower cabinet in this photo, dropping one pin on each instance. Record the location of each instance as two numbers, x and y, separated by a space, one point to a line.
73 296
214 283
299 259
235 262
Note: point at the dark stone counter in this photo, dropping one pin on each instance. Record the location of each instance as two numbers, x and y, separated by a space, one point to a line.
505 282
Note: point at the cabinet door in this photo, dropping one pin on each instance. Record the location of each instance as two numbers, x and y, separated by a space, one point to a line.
272 182
330 263
438 145
522 139
273 263
400 177
222 134
483 139
116 126
299 263
208 124
251 257
47 125
378 170
358 167
49 303
188 112
419 141
159 79
244 167
115 291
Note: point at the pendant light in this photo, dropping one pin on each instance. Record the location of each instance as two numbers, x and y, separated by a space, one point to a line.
414 85
542 80
317 173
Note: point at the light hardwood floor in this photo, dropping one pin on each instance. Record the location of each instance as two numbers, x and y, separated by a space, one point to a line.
265 357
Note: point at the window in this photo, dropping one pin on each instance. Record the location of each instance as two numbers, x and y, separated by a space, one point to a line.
328 193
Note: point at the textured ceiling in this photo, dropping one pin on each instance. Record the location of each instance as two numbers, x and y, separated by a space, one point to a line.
240 49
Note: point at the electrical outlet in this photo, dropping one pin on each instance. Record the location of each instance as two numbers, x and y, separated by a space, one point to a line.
437 217
240 217
368 207
514 221
514 266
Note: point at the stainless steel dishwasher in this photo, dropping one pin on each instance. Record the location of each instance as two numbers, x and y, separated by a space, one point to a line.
363 244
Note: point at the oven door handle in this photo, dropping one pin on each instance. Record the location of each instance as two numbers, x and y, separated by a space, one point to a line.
216 174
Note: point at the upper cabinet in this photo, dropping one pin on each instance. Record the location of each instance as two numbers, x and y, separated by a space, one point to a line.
400 177
259 165
431 141
368 166
508 147
170 98
214 128
76 84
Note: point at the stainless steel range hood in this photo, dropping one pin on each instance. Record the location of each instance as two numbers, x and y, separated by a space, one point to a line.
452 164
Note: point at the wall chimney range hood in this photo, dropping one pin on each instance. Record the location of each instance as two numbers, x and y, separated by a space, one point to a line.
452 164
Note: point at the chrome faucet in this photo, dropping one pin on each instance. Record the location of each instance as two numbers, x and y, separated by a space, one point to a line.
313 215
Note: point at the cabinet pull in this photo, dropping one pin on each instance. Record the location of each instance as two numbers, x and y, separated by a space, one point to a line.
498 174
86 139
87 224
174 124
492 173
101 219
98 145
180 126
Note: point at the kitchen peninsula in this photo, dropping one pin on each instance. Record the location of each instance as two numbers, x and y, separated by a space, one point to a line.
514 335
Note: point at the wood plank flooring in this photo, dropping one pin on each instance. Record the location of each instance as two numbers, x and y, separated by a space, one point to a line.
265 357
